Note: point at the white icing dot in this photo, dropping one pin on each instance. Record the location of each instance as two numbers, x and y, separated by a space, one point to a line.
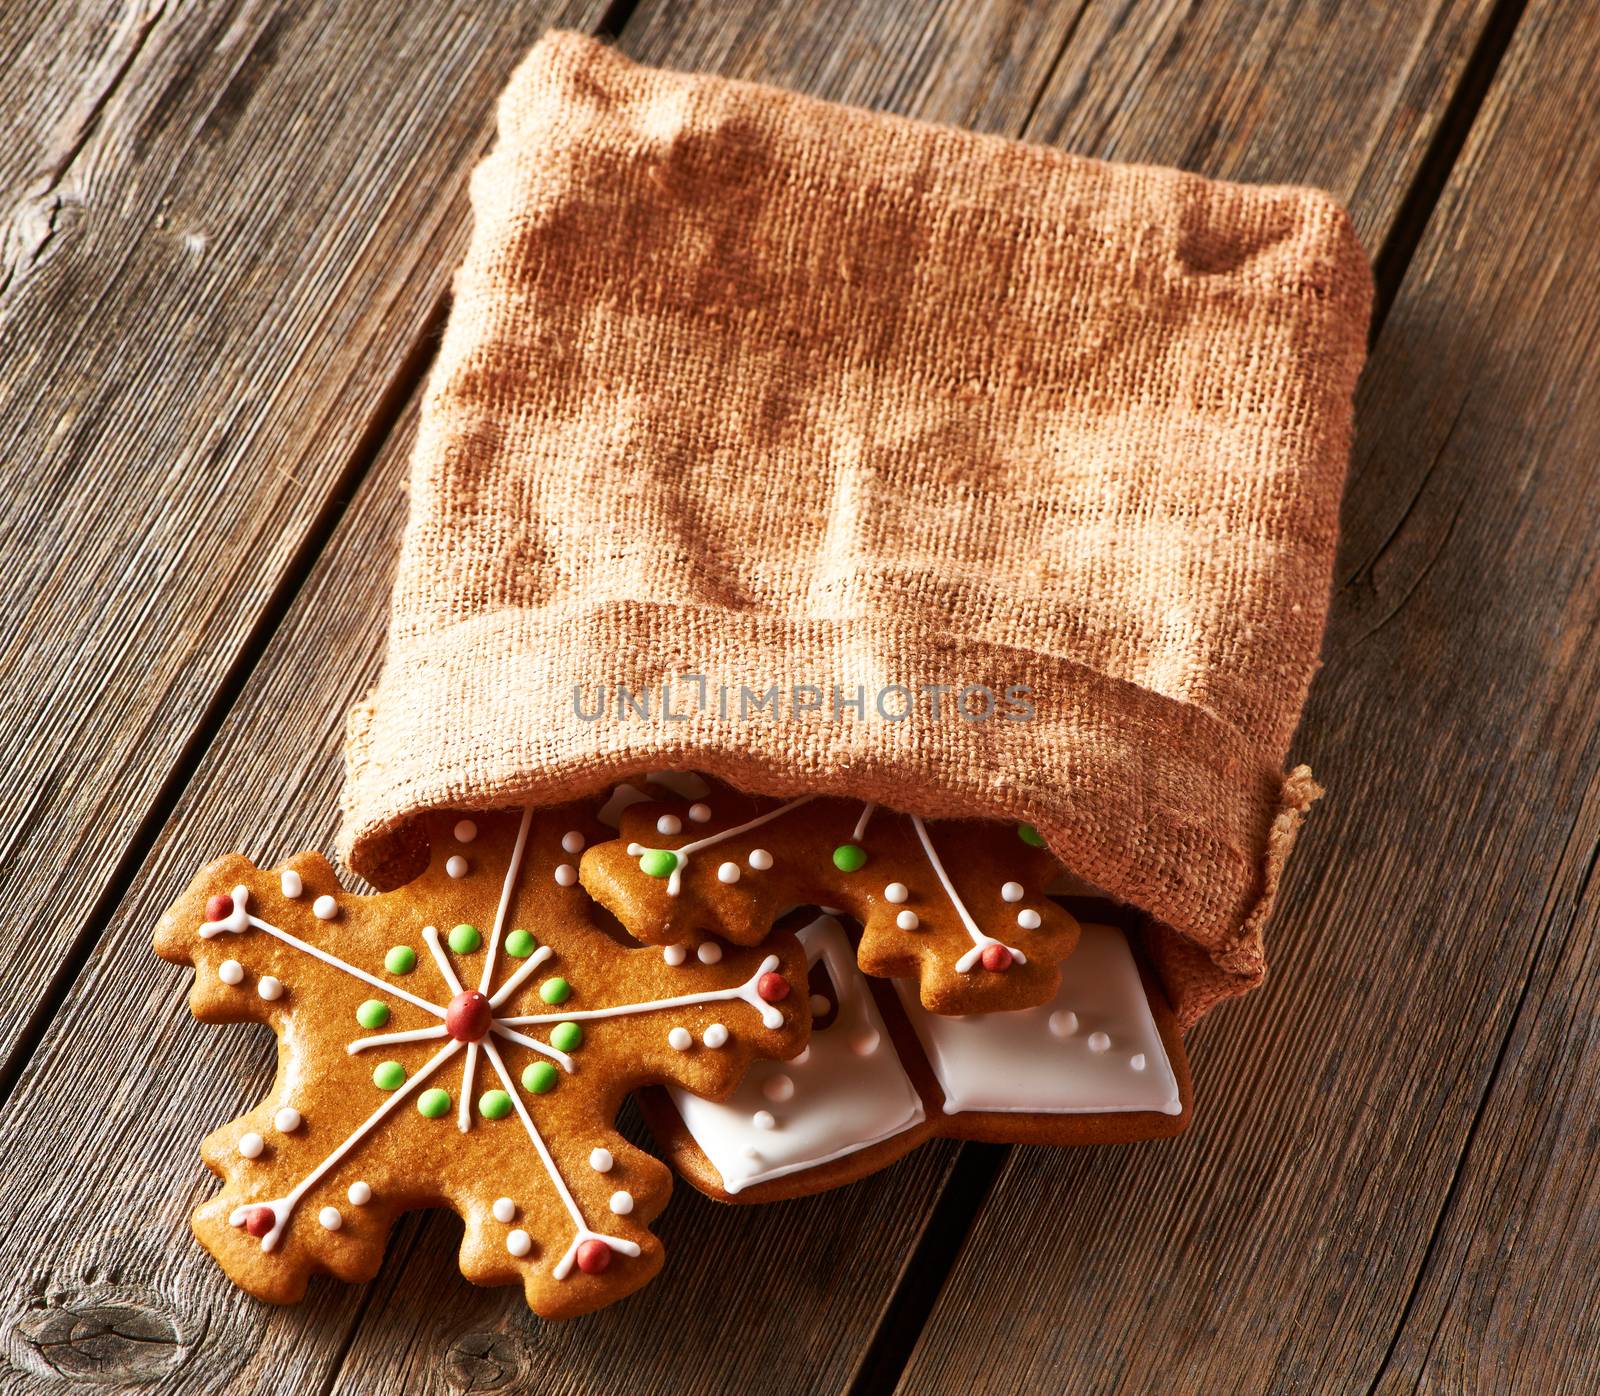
1063 1022
1011 892
715 1036
907 921
1136 1061
763 1119
778 1088
600 1160
330 1218
669 824
572 841
700 813
251 1145
466 831
504 1209
291 883
1099 1042
750 1151
360 1194
759 859
708 952
287 1120
519 1243
622 1203
270 988
865 1043
728 872
324 908
456 865
674 954
803 1057
820 1004
566 875
1028 919
680 1040
896 892
230 972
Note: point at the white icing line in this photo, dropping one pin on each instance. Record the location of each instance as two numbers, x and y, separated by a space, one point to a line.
385 1039
770 1016
506 888
980 941
499 1026
464 1115
675 881
867 811
283 1207
430 936
539 956
563 1267
241 918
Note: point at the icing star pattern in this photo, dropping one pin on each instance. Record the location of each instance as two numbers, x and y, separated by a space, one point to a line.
583 1035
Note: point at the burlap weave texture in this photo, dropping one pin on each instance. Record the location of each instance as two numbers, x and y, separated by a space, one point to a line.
744 385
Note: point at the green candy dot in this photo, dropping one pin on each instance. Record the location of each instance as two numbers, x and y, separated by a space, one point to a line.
566 1037
539 1078
388 1075
494 1105
373 1013
434 1103
520 944
401 959
849 857
1030 836
658 862
465 939
555 990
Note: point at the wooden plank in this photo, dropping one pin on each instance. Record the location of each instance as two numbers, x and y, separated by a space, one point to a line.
1505 288
1437 928
249 218
1000 59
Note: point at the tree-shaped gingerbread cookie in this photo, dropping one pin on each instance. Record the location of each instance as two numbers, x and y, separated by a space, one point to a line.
957 905
462 1042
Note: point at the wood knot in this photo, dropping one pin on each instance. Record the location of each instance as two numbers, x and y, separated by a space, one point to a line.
483 1361
104 1336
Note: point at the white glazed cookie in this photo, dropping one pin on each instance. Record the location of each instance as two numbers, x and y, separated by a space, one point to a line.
1101 1063
844 1094
1094 1049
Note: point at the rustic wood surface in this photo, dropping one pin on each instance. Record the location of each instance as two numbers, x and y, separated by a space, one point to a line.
229 232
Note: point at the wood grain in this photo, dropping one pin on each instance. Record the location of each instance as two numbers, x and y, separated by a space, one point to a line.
253 211
1437 933
109 1284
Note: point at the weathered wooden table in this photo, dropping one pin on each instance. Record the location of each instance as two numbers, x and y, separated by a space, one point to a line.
228 233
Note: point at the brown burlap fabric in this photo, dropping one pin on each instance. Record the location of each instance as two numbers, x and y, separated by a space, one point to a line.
745 385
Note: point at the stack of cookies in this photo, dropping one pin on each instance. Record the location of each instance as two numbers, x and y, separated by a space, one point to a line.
800 990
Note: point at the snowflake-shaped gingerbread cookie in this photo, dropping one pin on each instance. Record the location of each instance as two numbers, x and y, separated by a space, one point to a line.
958 906
463 1042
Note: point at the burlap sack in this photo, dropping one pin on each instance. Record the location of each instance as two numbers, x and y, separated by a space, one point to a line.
743 385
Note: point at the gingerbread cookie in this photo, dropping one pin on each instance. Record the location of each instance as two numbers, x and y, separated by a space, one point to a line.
1101 1063
462 1042
957 906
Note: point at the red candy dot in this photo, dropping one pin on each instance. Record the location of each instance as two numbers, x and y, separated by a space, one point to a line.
219 908
996 957
468 1016
773 987
594 1257
259 1220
